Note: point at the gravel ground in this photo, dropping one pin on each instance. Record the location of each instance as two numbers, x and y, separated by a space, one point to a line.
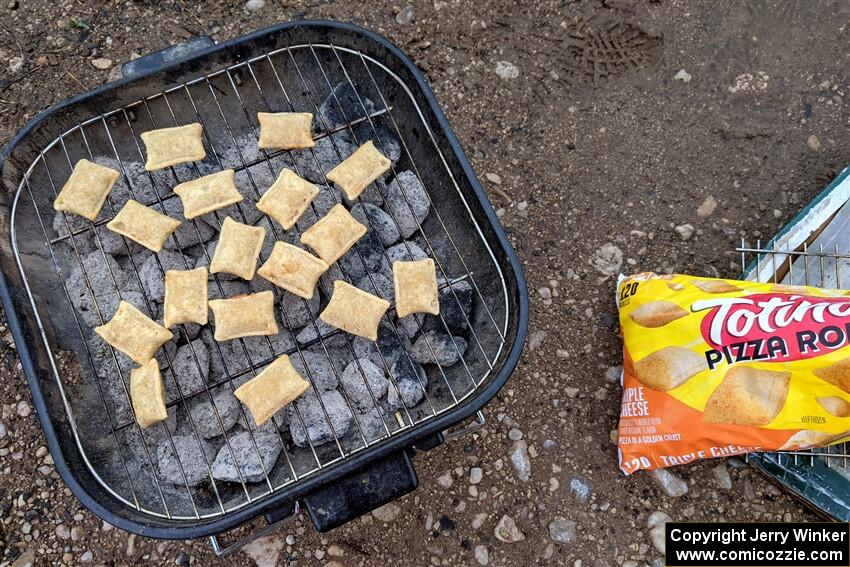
660 131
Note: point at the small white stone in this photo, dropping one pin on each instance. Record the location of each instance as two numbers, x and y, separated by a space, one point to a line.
445 480
23 408
101 63
16 64
481 555
683 76
86 557
493 178
545 293
255 5
686 231
814 143
721 475
707 207
386 513
475 475
507 531
507 70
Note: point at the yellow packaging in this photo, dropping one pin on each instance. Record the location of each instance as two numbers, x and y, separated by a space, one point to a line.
713 368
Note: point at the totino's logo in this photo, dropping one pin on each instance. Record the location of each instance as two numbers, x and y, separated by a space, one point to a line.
773 327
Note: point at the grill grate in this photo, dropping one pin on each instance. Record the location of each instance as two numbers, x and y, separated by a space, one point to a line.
121 455
819 268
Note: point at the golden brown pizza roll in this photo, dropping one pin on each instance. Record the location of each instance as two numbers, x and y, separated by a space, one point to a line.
147 393
359 169
208 193
415 286
675 286
839 407
285 130
86 190
144 225
293 269
784 288
747 396
288 198
276 386
669 368
354 311
134 333
244 316
237 249
715 286
807 439
334 234
837 374
171 146
657 314
185 297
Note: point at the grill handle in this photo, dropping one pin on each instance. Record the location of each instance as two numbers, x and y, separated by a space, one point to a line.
154 61
361 492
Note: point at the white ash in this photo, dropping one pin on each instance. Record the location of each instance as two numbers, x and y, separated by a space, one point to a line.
343 106
254 457
190 367
410 381
319 369
191 460
405 251
297 311
152 271
309 332
434 347
378 284
318 430
103 273
213 421
364 382
375 219
407 202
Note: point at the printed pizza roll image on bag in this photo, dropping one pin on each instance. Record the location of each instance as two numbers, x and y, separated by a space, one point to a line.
715 368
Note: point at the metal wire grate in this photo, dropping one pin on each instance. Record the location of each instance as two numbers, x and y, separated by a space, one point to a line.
802 266
123 456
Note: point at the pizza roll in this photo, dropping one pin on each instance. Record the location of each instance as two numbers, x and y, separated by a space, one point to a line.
354 311
208 193
147 393
334 234
715 286
86 190
807 439
669 368
134 333
170 146
657 314
237 249
293 269
248 315
276 386
185 297
837 374
747 396
675 286
144 225
839 407
285 130
415 286
288 198
785 288
359 169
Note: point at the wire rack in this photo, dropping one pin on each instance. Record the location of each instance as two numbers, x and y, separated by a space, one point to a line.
802 266
297 78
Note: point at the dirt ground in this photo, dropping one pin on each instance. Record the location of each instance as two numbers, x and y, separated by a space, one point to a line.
595 141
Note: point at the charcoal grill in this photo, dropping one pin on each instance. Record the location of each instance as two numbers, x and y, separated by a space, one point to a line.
106 460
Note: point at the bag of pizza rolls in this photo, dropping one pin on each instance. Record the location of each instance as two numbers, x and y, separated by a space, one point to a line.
713 368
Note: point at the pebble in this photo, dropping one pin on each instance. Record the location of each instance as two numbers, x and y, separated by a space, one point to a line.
405 16
707 207
255 5
62 531
580 489
265 551
86 557
520 460
507 531
545 293
721 475
386 513
607 259
549 444
445 480
683 76
493 178
613 373
685 231
3 430
481 555
514 434
506 70
76 533
23 408
182 559
101 63
656 523
475 475
16 63
672 485
814 143
335 551
535 340
478 520
562 530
